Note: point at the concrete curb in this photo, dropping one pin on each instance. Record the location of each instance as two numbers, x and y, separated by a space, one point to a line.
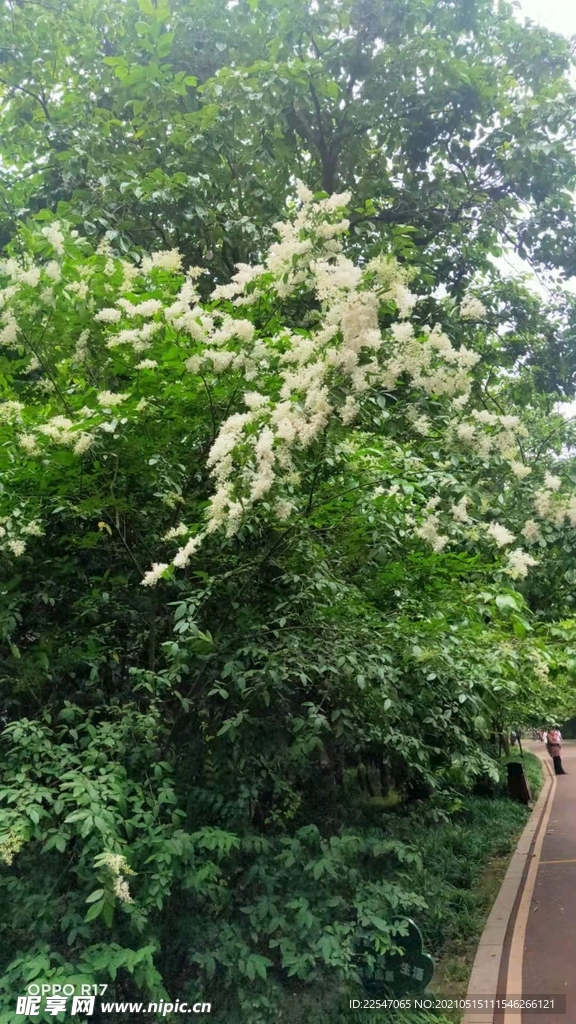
489 955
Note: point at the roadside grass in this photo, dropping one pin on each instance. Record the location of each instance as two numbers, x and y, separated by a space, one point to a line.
464 860
456 919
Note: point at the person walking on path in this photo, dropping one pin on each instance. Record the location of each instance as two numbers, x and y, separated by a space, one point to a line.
554 746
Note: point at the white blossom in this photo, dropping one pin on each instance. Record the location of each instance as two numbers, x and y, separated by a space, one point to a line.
17 547
552 483
531 531
108 316
53 233
484 416
519 563
122 890
108 399
304 194
460 511
9 332
283 509
500 534
510 422
422 425
543 503
146 308
33 529
185 554
520 470
428 531
349 410
472 309
166 259
53 271
466 432
176 531
83 443
10 410
154 574
29 443
79 288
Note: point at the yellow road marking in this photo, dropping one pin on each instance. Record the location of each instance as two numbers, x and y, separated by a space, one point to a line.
516 955
571 861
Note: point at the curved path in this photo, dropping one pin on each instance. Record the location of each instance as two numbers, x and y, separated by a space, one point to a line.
549 948
528 947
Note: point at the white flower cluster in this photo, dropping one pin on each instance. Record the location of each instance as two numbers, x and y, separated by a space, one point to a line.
14 534
167 259
118 868
460 511
531 531
10 411
500 534
540 667
154 574
429 532
551 507
472 308
53 233
108 399
518 564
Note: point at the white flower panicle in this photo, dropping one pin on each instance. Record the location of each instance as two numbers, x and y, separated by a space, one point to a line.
83 442
10 410
518 564
17 547
520 470
551 482
167 259
428 531
185 554
472 308
176 531
543 503
460 511
108 399
108 316
53 233
33 529
118 867
500 534
531 531
154 574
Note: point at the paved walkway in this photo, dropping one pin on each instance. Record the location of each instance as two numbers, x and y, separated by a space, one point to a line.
549 964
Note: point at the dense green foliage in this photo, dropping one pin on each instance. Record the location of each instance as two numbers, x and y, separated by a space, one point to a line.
348 441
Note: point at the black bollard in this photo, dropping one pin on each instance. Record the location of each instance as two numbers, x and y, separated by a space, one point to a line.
518 788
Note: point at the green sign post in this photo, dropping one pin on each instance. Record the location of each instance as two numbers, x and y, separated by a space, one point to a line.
401 974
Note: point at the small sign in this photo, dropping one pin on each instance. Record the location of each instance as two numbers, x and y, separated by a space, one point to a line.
401 974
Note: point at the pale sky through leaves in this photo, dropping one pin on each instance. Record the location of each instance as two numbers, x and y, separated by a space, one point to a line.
557 15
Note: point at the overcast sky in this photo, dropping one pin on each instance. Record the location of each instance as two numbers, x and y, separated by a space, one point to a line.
557 15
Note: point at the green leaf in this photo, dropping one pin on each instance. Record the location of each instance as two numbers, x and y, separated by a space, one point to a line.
94 911
96 895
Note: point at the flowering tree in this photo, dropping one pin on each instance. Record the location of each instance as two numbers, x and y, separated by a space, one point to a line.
312 341
246 540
